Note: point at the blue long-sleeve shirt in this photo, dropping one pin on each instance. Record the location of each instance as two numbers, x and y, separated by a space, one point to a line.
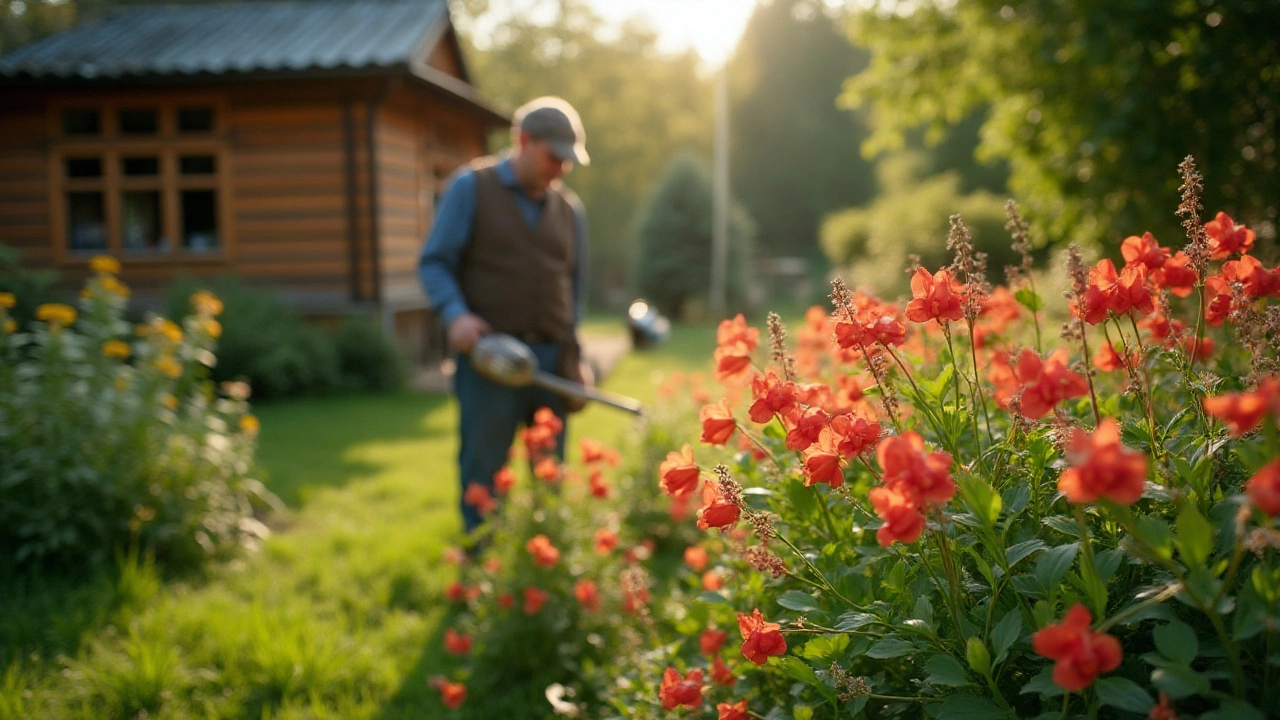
442 253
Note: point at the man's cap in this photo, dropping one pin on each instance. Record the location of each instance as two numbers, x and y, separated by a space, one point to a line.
555 121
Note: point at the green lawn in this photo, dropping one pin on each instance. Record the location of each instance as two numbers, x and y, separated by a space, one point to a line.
338 615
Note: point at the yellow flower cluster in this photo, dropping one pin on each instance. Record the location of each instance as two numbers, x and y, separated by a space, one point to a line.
115 349
250 425
212 328
7 300
56 314
105 265
112 285
206 303
167 365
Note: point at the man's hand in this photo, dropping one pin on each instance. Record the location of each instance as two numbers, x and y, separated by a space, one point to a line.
465 330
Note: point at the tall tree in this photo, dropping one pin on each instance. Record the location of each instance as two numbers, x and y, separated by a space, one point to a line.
795 154
640 106
1092 102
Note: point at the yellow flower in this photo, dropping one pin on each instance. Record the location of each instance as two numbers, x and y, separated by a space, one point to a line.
7 300
206 303
171 331
56 314
10 326
250 425
105 265
112 285
115 349
212 328
122 382
169 366
236 389
169 401
143 331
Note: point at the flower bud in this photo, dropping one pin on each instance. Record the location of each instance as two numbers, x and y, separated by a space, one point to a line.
978 656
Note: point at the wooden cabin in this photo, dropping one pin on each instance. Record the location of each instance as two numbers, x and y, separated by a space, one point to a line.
297 145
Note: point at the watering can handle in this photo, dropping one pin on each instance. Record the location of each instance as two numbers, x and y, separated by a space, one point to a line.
561 386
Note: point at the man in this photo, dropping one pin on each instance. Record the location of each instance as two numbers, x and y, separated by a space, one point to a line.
506 254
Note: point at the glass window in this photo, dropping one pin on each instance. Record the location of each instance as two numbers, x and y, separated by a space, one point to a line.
86 222
195 119
80 168
81 122
197 165
199 220
140 166
141 228
139 121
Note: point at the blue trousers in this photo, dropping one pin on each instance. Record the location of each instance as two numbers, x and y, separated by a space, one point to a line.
489 414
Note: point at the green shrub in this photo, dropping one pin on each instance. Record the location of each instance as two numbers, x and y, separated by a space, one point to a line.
113 436
368 358
31 288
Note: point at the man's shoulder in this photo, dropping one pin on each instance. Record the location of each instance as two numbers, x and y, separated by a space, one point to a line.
467 173
570 197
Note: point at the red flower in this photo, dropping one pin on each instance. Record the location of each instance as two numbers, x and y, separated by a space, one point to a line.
737 331
903 522
733 363
1163 710
606 541
504 480
772 396
1203 351
543 434
695 557
871 327
1102 467
722 675
854 434
822 461
1107 359
506 601
1143 251
711 581
716 511
717 423
1243 411
1176 275
634 598
711 641
478 496
533 600
599 486
452 694
1264 488
547 470
804 426
914 474
1258 282
1226 237
588 595
679 472
1045 384
736 711
1001 308
544 553
456 643
760 639
457 592
1079 653
676 691
935 297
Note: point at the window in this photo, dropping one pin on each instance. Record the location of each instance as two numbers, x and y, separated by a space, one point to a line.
142 181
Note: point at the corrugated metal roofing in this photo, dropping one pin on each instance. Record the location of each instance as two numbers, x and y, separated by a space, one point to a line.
286 35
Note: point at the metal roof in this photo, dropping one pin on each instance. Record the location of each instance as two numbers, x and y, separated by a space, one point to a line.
232 38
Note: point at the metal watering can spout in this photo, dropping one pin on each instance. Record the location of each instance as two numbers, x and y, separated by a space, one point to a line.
507 361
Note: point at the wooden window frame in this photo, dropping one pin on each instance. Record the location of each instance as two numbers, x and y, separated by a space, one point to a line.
169 146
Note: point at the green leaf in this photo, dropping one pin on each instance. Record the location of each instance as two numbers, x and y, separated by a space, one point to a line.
891 648
959 707
1233 709
798 601
1250 617
1155 534
938 386
1195 537
923 610
713 597
854 620
1177 641
1028 299
825 647
796 669
1064 525
1107 562
1043 684
1123 693
1179 681
980 498
946 671
1053 565
1016 553
1005 634
801 712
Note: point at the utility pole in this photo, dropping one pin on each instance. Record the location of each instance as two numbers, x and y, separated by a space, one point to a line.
720 197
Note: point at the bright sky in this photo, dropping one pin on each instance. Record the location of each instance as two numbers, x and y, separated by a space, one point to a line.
710 27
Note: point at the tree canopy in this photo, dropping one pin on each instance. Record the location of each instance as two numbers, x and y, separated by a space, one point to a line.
1093 103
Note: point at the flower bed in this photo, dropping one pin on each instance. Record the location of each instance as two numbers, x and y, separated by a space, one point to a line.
945 512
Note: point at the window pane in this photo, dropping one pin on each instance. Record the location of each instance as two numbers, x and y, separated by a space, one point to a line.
195 119
197 165
140 219
199 220
139 121
90 167
81 122
140 166
86 229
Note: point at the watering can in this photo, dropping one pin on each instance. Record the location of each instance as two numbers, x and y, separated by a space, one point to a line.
507 361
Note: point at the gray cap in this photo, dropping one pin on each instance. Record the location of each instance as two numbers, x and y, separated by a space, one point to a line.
555 121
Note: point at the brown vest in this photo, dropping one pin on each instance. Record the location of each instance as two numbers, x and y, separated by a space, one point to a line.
518 278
